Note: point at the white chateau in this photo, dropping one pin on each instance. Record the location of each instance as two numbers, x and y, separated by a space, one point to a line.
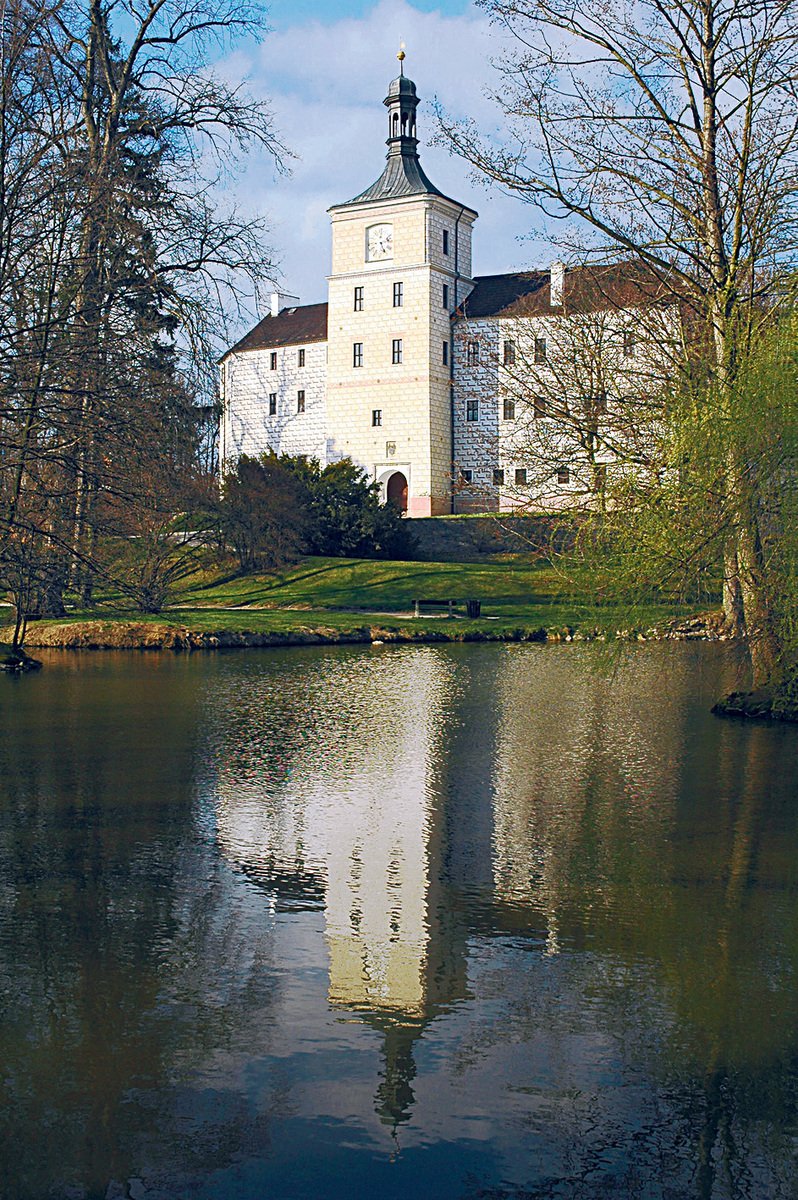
454 393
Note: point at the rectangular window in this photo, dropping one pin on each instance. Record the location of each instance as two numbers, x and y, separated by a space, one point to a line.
541 408
300 402
446 241
498 477
540 351
300 358
601 402
358 299
628 343
509 354
472 354
376 416
520 476
472 410
466 476
398 295
396 351
357 354
445 299
272 404
563 475
600 476
445 353
509 410
273 361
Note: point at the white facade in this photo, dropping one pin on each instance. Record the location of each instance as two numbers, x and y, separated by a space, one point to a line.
407 370
544 404
253 385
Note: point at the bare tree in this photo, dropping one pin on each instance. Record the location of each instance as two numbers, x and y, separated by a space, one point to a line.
577 388
668 130
119 255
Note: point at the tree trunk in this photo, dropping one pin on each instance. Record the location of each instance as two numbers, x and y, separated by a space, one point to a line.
733 608
763 641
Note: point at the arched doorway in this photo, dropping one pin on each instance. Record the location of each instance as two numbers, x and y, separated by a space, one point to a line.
396 491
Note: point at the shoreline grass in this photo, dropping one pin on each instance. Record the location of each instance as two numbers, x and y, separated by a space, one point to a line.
346 599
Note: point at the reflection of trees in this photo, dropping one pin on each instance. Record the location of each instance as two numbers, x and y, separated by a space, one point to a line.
114 922
591 881
657 851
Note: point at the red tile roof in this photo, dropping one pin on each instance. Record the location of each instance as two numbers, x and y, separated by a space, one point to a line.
292 327
587 289
517 294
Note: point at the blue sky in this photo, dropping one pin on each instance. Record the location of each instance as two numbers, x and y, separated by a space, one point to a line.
325 68
284 13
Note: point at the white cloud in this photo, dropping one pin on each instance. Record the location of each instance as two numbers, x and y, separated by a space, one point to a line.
326 83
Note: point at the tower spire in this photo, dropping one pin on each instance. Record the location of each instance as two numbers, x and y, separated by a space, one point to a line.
403 174
402 103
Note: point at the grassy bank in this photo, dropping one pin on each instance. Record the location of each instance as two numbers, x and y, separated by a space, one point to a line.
328 600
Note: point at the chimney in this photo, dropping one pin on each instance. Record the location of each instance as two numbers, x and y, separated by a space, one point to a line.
280 300
557 285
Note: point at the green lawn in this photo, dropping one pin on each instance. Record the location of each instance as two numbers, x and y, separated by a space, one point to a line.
512 592
346 595
376 586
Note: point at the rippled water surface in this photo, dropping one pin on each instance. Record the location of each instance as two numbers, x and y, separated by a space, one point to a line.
457 922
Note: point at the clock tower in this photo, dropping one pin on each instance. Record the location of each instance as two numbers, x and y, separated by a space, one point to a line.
401 264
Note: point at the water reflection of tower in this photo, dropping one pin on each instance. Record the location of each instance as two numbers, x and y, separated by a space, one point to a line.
421 907
397 938
381 827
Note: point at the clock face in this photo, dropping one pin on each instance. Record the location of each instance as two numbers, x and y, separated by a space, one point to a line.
379 242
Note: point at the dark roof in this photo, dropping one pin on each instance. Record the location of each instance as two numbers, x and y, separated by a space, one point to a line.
292 327
587 289
403 176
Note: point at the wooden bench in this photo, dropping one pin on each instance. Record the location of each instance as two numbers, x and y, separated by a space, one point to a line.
473 607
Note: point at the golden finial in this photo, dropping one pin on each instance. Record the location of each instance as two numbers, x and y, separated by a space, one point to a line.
401 57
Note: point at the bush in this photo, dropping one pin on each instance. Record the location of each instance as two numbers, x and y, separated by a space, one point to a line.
263 513
346 518
276 508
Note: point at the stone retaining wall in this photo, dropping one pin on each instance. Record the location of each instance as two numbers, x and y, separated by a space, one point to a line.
471 539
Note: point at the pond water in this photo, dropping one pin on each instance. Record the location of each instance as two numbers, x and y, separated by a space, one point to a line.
485 922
